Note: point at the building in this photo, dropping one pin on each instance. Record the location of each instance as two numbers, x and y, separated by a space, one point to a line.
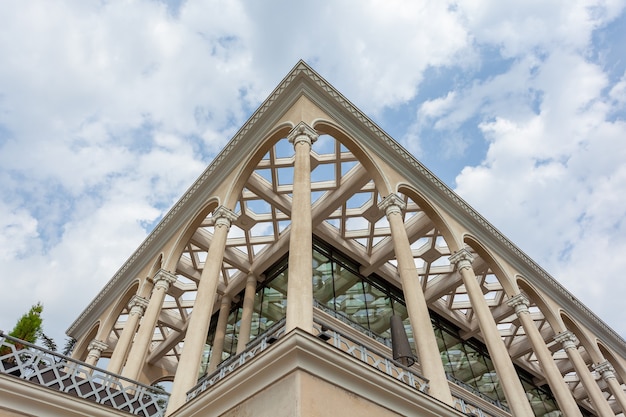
269 289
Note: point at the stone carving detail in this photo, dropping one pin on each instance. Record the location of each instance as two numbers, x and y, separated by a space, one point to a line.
520 303
392 204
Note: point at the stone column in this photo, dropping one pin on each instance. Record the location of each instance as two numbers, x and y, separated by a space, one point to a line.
139 350
220 333
424 335
507 375
246 315
569 342
567 403
300 282
606 370
95 349
136 307
195 338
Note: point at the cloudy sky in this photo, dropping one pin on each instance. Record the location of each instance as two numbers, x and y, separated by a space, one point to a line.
109 110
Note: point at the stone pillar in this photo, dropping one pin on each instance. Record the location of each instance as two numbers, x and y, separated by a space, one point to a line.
220 333
507 375
606 370
95 349
569 342
246 315
300 282
423 333
195 338
136 307
562 394
139 350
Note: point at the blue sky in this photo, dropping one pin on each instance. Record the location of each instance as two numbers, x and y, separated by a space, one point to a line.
110 110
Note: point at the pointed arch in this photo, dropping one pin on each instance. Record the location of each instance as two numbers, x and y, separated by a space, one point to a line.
81 350
590 346
170 262
508 285
433 214
550 315
380 179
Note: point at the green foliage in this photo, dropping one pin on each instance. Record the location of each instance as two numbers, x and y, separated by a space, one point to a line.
28 327
48 342
69 346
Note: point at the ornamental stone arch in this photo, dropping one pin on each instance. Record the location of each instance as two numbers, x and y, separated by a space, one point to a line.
509 287
617 363
170 262
380 177
247 167
586 340
439 220
81 349
550 315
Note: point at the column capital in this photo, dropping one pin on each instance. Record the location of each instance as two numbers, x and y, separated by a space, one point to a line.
520 303
567 339
164 279
302 133
605 369
97 345
462 258
137 305
223 216
392 204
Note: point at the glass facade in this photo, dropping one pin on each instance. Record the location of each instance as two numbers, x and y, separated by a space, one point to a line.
368 303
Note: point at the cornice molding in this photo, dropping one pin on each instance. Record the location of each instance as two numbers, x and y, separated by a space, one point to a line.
303 80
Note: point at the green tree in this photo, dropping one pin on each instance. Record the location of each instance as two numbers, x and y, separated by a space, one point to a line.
27 328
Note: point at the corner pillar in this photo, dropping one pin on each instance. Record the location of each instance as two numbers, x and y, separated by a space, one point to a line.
300 282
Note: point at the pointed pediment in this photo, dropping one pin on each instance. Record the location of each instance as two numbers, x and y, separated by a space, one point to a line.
354 162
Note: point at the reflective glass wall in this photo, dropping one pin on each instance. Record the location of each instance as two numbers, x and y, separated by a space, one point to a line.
367 303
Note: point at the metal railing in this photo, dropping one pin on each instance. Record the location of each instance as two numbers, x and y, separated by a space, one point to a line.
58 372
346 344
233 363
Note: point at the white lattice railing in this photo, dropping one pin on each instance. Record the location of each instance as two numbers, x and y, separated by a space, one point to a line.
52 370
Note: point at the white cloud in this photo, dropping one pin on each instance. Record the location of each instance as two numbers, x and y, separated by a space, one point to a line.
109 111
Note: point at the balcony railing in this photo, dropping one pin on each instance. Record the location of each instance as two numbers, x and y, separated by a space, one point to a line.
54 371
348 345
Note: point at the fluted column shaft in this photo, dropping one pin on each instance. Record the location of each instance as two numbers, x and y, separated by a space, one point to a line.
562 394
507 375
136 307
95 349
220 334
139 350
246 314
423 333
300 283
607 372
195 338
569 342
